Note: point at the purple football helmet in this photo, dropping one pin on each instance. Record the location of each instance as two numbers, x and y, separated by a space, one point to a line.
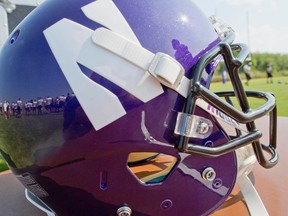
107 108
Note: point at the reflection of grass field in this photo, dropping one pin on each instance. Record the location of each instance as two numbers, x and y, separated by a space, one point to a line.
279 88
3 165
28 134
31 128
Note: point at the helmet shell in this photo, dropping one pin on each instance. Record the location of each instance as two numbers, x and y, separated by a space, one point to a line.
78 170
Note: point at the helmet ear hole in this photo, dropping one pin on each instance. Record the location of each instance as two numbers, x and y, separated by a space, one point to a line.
151 167
14 36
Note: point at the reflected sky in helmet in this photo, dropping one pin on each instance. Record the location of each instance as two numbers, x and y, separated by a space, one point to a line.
29 59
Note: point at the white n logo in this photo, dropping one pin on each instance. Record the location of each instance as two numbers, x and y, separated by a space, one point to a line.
71 45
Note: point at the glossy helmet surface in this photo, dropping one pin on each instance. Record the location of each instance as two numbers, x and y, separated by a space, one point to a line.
112 109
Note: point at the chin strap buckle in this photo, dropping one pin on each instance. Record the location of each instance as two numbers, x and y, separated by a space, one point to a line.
167 70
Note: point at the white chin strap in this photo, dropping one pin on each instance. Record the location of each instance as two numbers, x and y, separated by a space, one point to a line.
246 160
163 67
252 198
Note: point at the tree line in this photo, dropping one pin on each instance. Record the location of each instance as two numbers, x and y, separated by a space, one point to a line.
279 63
260 61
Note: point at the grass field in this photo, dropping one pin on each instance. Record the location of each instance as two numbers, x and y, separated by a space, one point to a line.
278 88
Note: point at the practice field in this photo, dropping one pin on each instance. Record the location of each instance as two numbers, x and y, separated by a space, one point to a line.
278 88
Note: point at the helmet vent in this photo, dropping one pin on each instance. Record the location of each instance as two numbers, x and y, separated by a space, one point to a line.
151 167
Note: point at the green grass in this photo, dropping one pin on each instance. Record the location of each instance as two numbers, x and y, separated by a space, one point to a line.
278 88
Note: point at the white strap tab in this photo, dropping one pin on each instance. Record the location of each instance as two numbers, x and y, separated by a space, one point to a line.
163 67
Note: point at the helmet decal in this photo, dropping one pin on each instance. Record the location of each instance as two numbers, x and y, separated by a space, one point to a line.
100 105
131 77
81 85
218 114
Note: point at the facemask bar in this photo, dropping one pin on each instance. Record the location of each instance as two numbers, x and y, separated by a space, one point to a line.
247 116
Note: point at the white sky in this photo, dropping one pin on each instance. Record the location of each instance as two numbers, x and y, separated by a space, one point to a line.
265 21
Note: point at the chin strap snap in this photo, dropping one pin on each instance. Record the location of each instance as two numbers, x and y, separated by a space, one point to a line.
163 67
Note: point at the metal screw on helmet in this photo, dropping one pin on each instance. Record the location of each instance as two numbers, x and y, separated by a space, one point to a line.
203 127
209 174
124 211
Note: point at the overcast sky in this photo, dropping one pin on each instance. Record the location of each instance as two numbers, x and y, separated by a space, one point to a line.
262 24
